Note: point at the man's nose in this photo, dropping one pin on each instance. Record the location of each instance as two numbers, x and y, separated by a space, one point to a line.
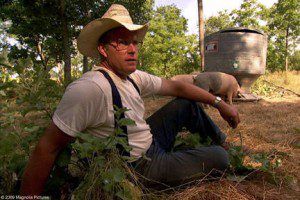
132 48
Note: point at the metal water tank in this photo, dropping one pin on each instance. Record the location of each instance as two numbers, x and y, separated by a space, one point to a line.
240 52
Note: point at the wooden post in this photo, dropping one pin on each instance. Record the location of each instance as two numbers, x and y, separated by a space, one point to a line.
66 43
201 33
287 50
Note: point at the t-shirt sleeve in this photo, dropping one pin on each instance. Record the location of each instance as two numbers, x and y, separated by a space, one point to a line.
148 84
80 108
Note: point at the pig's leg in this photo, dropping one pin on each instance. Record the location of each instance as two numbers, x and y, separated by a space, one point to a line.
229 96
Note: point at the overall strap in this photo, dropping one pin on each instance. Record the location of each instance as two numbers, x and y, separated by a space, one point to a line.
134 84
116 98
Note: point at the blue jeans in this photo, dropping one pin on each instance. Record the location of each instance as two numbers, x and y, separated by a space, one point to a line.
168 166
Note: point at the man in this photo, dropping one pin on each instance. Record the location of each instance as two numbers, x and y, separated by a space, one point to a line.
87 106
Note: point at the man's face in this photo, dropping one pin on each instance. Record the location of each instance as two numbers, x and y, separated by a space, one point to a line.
120 51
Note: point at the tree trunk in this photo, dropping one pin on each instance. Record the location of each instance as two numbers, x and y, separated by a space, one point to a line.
66 44
287 50
201 32
85 59
60 72
42 55
165 70
85 64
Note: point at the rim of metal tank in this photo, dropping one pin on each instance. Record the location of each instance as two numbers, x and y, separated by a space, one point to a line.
240 29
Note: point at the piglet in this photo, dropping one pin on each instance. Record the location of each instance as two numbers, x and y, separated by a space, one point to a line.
218 83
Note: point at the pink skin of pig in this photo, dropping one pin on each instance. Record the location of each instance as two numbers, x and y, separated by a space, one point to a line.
188 78
218 83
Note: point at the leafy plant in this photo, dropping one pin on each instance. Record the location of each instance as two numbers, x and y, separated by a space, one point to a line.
106 172
186 140
237 156
261 87
15 148
38 93
266 164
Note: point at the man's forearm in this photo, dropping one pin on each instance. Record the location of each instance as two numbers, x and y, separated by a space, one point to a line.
192 92
188 91
41 162
37 172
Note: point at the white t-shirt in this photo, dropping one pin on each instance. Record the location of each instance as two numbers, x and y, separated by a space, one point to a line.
87 107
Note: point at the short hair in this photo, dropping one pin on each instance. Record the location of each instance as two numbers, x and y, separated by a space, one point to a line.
103 40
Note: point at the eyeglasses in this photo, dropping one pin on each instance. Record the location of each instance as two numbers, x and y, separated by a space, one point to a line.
121 44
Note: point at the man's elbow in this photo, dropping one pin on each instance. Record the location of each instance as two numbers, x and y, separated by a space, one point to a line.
172 88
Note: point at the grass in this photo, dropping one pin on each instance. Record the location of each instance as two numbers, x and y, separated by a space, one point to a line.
277 84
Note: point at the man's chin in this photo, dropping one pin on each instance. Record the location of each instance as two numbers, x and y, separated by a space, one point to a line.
131 69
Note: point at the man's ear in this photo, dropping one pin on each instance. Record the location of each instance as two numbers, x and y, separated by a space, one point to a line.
102 50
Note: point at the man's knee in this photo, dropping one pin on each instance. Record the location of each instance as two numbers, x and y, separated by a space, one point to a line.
222 158
183 102
185 105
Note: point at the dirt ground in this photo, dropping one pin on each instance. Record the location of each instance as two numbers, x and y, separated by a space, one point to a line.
271 125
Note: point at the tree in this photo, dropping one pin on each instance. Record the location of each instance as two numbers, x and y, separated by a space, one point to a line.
216 23
167 50
201 33
249 14
285 26
46 29
295 60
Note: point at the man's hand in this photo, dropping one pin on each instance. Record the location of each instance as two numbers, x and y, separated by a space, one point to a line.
229 114
189 91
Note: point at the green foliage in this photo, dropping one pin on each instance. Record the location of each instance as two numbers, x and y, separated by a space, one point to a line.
260 87
30 91
45 29
295 61
185 140
6 71
266 164
94 170
167 50
284 26
15 147
106 172
249 14
263 162
216 23
236 157
238 154
277 84
38 93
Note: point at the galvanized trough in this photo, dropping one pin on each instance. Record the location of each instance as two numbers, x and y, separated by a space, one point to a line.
240 52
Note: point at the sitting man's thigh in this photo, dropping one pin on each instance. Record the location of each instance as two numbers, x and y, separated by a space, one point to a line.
184 165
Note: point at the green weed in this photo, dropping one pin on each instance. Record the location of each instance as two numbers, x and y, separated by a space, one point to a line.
277 84
106 172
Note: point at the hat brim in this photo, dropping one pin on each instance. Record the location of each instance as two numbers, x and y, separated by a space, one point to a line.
87 41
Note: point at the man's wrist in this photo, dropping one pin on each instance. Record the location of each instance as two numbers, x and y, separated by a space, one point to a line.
217 102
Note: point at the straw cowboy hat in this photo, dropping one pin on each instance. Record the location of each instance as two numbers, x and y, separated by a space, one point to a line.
116 16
